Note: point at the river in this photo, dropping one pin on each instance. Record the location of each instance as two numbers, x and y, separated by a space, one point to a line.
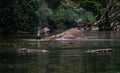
63 56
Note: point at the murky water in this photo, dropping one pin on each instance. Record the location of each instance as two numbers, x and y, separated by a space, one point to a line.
62 56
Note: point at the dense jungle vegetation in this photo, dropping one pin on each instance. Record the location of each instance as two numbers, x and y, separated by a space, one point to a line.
27 15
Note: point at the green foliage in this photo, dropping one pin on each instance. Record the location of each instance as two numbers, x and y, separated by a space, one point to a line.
27 14
61 26
93 6
64 12
86 15
18 15
53 4
69 12
103 10
41 13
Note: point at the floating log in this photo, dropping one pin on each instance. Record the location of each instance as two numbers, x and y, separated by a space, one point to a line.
100 51
26 50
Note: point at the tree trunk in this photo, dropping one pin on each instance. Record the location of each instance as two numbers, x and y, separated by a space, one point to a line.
107 23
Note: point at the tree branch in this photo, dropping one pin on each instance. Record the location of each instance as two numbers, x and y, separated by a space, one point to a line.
113 15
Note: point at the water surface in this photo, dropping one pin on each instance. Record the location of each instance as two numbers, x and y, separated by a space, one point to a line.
65 56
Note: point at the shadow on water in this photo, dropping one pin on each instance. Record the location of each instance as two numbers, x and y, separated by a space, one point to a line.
63 56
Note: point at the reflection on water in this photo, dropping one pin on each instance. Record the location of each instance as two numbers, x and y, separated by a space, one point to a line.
63 56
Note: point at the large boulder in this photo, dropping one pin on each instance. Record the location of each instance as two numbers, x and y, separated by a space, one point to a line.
73 33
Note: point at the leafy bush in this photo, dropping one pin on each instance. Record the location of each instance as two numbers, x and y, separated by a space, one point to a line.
69 12
18 14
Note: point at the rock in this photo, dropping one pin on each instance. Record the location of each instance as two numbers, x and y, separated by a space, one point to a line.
46 29
72 33
94 28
